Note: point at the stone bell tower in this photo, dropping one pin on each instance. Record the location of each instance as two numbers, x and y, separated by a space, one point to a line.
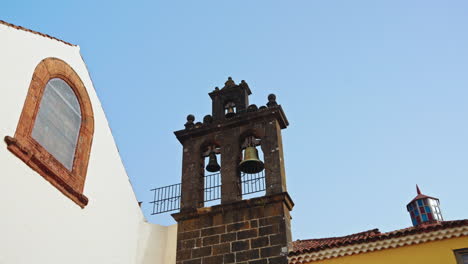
238 230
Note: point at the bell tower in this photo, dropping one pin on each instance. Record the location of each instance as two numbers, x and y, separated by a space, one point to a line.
255 230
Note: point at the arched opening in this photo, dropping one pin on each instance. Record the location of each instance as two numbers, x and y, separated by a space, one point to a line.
212 175
252 172
230 109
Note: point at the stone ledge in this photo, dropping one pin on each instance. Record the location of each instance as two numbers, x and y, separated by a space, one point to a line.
220 209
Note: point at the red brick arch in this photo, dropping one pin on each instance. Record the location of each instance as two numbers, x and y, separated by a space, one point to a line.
70 183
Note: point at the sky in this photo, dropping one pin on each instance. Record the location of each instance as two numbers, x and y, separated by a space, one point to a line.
376 93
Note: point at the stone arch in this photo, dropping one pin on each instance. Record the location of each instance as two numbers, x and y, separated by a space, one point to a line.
69 182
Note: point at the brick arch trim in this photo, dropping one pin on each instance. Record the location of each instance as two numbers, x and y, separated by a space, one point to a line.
70 183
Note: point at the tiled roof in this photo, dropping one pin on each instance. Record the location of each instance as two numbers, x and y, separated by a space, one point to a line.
421 196
322 243
313 245
34 32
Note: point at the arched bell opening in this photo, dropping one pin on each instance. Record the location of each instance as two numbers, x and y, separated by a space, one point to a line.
252 168
251 162
230 109
212 175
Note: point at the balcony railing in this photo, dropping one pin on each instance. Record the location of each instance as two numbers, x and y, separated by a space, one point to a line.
168 198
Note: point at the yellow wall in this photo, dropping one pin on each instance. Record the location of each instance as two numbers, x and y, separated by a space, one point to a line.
436 252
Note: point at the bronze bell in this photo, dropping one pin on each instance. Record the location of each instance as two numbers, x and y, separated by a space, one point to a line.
251 164
230 112
213 165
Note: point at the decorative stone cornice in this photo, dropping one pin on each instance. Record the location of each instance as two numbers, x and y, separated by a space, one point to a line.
193 129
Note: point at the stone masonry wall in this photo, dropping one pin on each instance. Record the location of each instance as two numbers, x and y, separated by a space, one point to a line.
254 231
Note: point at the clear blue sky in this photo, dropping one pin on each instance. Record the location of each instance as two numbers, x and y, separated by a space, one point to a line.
376 93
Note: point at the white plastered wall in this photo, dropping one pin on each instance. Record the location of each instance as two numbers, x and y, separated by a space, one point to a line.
38 224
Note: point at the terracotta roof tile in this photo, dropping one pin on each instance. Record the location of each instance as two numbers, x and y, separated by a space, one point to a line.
34 32
312 245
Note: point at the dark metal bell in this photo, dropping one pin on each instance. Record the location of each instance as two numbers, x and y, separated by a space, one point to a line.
230 112
251 164
213 165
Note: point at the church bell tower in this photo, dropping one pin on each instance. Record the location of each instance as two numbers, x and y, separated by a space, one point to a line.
238 230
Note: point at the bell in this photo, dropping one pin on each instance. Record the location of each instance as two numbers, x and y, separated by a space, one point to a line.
230 112
251 164
213 165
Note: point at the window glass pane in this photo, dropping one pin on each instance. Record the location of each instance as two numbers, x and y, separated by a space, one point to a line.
465 258
430 217
420 203
424 217
427 209
58 121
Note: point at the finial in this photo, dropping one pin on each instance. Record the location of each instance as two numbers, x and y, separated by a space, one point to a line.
229 83
271 100
208 119
252 108
417 189
190 119
243 84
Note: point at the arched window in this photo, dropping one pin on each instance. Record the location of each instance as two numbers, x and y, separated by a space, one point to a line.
56 126
58 121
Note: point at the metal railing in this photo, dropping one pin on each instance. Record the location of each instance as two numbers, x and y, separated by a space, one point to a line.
212 187
252 183
168 198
